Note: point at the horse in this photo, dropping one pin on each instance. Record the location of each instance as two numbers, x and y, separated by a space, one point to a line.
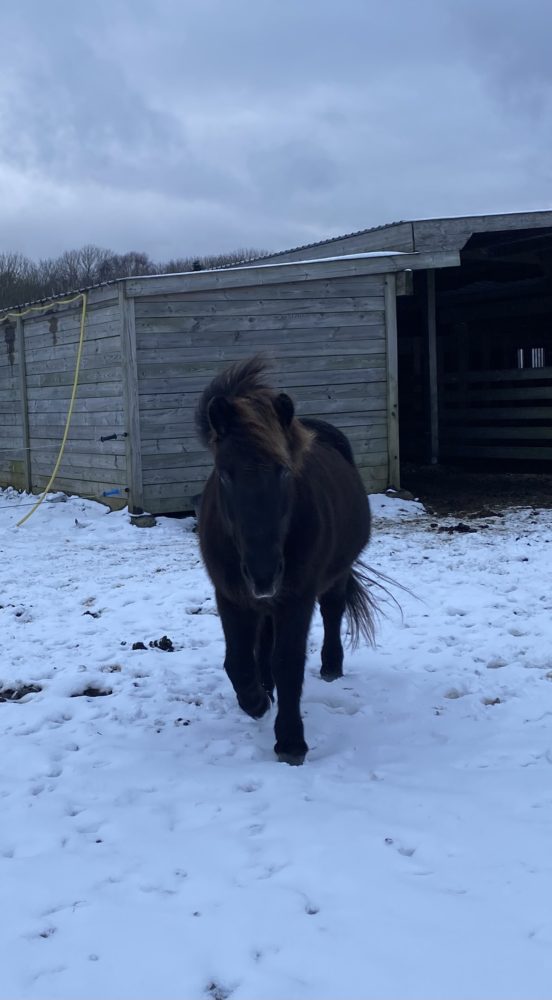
284 517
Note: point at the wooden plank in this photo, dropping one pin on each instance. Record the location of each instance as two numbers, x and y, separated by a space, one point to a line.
326 290
95 360
66 353
41 442
453 233
79 457
190 330
88 378
49 430
359 430
175 468
105 402
97 422
87 391
454 415
294 382
526 433
203 371
42 466
511 452
276 352
157 424
513 394
274 274
23 402
131 402
53 326
513 375
193 310
431 333
360 390
394 469
97 489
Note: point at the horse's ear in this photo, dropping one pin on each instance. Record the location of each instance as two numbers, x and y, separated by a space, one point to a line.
283 404
220 415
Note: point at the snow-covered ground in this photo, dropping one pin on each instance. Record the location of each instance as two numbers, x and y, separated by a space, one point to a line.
152 847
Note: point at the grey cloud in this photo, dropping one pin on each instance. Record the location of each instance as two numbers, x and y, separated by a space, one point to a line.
181 127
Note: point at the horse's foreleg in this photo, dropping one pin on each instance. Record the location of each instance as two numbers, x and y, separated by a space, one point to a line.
240 629
332 609
265 646
288 666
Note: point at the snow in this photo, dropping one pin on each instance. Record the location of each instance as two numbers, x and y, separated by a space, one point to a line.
151 845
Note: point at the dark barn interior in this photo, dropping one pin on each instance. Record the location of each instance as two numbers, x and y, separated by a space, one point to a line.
475 357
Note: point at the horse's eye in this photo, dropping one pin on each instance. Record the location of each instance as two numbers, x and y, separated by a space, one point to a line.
285 473
225 479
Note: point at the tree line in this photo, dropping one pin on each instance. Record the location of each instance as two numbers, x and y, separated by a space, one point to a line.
24 280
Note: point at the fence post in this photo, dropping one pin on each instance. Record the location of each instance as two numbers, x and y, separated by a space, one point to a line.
129 368
20 339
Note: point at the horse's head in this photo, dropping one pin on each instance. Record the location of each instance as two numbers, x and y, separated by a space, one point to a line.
256 441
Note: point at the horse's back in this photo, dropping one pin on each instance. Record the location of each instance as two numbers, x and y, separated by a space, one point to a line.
329 434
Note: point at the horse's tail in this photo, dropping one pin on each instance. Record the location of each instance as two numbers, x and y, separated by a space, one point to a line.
361 606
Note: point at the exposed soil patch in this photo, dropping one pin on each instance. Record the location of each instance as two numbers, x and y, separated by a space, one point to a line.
445 490
16 694
164 643
92 692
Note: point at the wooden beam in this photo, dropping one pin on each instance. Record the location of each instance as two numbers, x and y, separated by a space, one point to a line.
394 469
273 274
431 328
20 337
129 369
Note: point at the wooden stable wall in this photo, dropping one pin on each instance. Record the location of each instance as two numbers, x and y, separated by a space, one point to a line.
35 387
328 344
497 415
152 344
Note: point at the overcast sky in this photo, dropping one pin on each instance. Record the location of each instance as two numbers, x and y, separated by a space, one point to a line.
185 127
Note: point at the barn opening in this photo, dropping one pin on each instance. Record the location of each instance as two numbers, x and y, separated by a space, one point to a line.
475 357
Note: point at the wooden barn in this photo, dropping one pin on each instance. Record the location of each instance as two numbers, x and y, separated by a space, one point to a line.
446 322
474 338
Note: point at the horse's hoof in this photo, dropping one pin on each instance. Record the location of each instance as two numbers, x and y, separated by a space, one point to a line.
331 675
258 708
295 759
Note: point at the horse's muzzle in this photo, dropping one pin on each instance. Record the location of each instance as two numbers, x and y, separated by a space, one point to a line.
263 584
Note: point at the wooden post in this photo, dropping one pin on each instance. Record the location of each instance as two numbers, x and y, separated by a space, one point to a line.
131 402
431 324
390 299
20 337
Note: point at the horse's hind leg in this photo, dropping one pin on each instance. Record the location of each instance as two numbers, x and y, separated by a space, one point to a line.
240 630
332 609
264 650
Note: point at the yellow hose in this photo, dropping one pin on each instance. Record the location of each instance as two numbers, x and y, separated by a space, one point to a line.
84 297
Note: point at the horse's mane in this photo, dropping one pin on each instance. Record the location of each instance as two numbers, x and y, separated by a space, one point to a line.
245 386
244 378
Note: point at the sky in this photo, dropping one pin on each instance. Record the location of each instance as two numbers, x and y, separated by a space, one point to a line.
187 128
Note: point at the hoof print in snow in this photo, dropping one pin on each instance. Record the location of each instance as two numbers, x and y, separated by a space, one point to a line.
163 643
460 528
93 614
138 645
92 692
312 909
217 992
491 701
16 694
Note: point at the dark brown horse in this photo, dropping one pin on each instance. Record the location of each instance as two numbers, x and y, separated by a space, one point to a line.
284 516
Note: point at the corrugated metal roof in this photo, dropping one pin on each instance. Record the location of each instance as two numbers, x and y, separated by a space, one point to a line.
320 243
